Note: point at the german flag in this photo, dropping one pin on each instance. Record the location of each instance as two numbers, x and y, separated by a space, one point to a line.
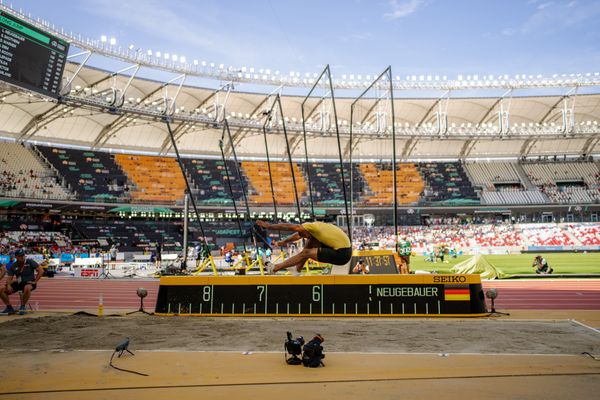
457 293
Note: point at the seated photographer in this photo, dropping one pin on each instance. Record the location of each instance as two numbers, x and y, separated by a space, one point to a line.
23 275
360 267
541 266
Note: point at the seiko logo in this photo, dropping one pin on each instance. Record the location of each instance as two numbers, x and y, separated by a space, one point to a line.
449 279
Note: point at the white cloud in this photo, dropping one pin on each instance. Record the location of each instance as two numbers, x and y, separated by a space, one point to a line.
401 9
545 5
509 31
357 37
202 34
555 15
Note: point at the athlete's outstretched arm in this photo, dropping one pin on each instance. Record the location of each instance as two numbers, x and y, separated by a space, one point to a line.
282 227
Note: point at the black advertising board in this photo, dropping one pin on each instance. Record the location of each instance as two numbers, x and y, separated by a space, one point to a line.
383 295
31 58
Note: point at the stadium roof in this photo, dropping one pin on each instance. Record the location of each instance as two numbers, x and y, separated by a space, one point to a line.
124 111
426 128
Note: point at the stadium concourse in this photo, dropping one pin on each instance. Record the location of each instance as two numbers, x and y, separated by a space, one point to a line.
119 165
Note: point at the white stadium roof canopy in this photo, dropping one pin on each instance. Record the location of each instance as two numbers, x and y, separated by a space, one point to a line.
433 118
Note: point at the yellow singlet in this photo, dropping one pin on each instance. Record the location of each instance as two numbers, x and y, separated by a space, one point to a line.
328 234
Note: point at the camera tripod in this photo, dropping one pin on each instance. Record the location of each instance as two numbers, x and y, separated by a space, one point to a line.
141 309
105 274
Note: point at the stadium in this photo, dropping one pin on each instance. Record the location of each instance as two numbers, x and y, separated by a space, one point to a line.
126 168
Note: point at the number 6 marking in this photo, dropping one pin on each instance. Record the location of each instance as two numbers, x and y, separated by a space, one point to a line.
316 294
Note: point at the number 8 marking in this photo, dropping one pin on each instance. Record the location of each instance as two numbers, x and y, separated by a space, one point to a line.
206 293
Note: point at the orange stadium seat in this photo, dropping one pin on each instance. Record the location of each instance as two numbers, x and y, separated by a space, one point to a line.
258 176
156 179
409 183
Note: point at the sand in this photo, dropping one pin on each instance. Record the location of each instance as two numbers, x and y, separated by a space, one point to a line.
482 335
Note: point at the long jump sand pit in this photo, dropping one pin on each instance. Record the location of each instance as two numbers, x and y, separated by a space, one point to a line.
66 356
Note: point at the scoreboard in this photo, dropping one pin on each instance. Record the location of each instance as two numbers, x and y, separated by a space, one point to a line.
29 57
328 295
379 261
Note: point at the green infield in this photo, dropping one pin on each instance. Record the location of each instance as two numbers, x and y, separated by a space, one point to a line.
512 264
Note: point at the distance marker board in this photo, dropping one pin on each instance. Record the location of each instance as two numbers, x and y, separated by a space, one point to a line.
354 295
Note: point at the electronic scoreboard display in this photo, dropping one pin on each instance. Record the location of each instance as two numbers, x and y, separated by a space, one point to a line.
31 58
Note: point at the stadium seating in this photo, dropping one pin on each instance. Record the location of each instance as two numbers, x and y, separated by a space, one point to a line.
100 176
586 234
446 182
130 234
24 175
545 235
379 179
486 174
258 177
566 182
210 179
92 176
508 197
155 179
326 184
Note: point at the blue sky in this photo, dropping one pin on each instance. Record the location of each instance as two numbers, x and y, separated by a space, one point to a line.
444 37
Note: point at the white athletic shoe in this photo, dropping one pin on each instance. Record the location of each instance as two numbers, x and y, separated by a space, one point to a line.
269 267
295 272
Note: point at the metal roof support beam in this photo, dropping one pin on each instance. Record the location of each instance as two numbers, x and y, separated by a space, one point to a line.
568 113
67 87
220 107
169 102
240 134
527 147
409 146
39 122
445 95
504 114
467 148
355 144
295 142
103 136
590 144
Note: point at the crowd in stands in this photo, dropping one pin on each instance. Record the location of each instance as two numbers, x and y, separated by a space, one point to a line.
481 236
22 175
586 234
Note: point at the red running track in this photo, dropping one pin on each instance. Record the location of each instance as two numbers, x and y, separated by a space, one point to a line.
83 294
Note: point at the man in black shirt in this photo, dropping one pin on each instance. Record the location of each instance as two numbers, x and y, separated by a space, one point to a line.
22 276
